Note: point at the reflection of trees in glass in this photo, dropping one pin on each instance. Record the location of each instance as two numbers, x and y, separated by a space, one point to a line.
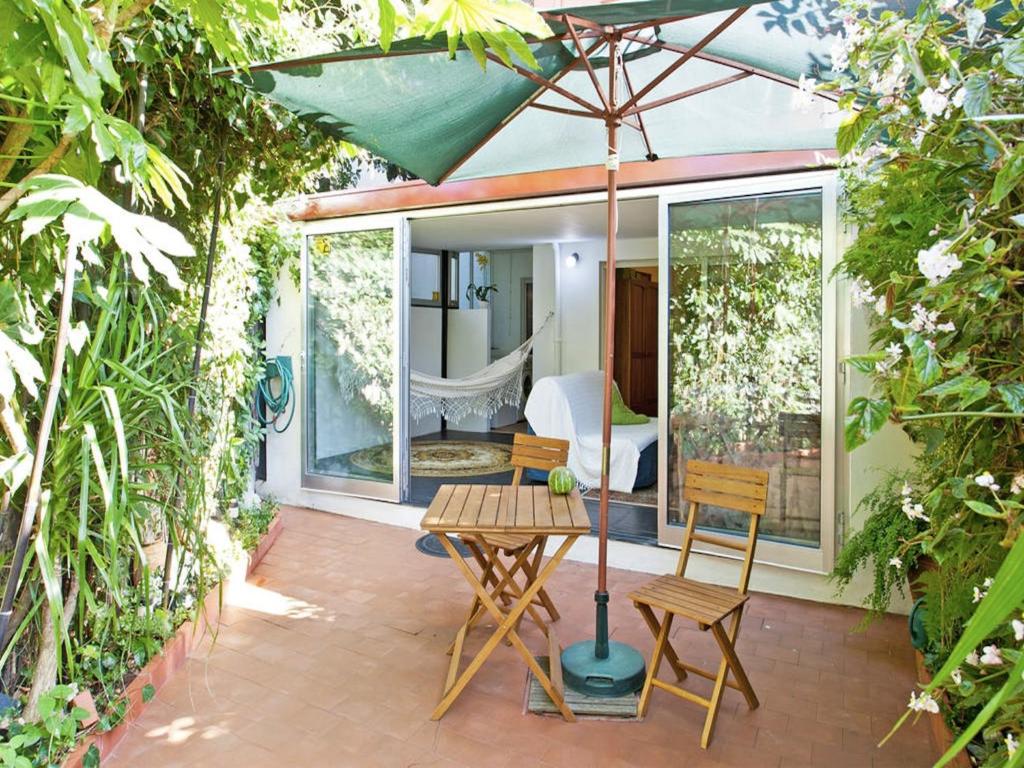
744 328
350 288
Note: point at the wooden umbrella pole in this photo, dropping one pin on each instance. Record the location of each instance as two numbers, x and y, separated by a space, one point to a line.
612 121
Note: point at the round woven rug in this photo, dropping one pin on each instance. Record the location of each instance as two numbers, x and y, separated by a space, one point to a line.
441 458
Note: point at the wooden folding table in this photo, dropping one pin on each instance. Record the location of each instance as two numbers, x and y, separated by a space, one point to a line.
478 510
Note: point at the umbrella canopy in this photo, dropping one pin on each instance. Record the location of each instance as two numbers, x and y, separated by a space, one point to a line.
440 118
634 80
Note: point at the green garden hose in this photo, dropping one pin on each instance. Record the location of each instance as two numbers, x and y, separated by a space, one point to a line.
280 369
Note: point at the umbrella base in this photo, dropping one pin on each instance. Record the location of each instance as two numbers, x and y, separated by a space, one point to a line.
621 672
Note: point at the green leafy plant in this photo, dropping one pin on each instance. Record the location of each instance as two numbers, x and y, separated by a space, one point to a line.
249 524
883 544
480 292
42 742
933 157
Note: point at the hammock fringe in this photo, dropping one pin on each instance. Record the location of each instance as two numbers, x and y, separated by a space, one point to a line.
482 393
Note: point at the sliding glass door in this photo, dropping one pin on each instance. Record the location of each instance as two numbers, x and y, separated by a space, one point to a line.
748 360
356 385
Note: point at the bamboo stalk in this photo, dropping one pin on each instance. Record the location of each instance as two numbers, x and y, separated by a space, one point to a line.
31 508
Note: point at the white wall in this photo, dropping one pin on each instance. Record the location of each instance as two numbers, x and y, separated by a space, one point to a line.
546 345
508 269
425 357
469 350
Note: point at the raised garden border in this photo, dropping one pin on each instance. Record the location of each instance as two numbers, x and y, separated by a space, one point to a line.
171 658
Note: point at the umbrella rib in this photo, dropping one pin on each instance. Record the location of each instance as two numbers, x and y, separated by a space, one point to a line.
586 63
549 84
510 117
687 93
565 110
639 120
690 53
726 62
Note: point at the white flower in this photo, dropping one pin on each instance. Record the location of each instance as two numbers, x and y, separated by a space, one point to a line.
895 562
980 592
913 511
957 675
973 659
933 102
923 703
895 351
906 490
992 656
880 306
1018 630
947 6
803 96
1011 744
946 327
958 97
861 293
985 480
923 320
937 263
1017 484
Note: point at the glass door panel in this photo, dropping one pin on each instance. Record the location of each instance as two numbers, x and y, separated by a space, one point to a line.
744 357
353 362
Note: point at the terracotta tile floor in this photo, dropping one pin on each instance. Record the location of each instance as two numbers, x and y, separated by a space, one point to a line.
333 655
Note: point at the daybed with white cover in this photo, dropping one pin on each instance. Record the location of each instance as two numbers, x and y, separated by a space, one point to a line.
569 407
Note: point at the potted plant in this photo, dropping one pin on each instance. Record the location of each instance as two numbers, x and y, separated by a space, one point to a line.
481 293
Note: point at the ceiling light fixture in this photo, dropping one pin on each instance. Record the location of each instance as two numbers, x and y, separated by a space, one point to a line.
572 260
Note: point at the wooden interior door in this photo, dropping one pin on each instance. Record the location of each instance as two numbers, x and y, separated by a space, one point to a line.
636 340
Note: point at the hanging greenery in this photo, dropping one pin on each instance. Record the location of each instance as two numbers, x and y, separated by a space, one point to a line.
934 162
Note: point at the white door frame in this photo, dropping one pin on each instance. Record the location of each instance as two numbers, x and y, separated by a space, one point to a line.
815 559
398 489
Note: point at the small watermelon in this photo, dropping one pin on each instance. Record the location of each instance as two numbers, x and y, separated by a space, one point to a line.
561 480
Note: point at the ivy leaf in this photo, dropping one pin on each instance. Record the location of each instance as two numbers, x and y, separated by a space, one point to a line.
148 692
865 363
1013 56
1009 177
850 131
92 757
975 24
926 364
970 388
864 418
1013 395
977 96
387 24
983 509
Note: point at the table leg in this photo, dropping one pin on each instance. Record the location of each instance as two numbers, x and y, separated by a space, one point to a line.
506 627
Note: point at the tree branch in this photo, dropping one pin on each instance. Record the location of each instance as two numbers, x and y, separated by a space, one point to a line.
14 142
12 195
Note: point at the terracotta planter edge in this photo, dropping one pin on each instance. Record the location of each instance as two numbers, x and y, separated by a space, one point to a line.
169 660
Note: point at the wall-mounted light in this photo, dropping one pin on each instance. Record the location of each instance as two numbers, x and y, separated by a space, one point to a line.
572 260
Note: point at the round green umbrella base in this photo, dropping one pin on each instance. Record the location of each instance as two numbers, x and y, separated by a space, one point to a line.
620 673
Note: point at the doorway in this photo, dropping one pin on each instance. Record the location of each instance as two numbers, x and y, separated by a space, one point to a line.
636 337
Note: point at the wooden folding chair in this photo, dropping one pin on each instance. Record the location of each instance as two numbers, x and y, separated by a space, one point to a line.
528 452
737 488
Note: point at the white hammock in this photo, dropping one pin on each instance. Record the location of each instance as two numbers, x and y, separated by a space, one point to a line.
483 392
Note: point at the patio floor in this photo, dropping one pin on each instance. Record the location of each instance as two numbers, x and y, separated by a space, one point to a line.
334 654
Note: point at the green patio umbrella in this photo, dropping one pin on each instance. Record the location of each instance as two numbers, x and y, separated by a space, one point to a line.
627 81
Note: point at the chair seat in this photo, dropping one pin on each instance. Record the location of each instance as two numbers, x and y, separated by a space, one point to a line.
704 603
508 541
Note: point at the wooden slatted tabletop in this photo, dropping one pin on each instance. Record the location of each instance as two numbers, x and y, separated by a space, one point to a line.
529 509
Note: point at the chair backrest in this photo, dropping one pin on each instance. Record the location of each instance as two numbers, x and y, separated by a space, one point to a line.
743 489
535 452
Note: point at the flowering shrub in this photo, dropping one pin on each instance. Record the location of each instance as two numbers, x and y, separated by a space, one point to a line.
934 162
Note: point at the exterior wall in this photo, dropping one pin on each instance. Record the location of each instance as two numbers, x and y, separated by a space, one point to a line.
572 344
